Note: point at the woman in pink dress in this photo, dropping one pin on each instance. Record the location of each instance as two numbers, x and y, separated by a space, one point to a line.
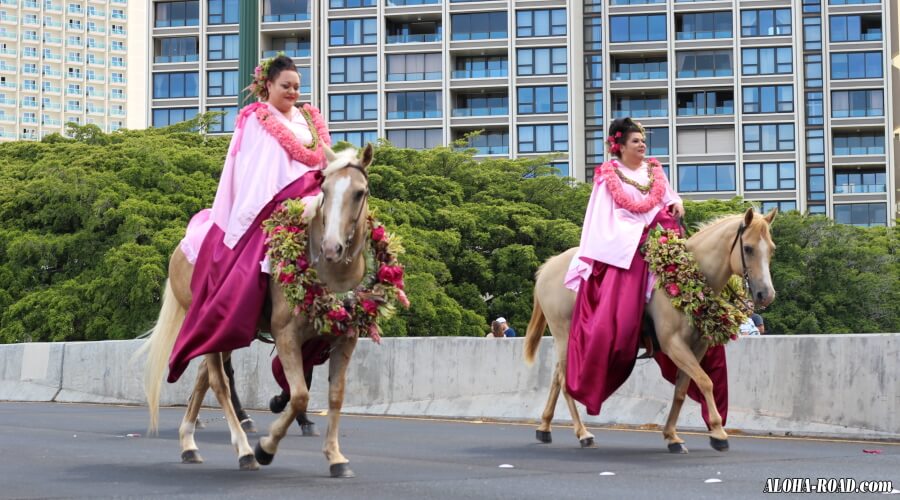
276 153
631 194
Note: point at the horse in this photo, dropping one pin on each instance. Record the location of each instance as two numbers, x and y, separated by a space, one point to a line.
337 240
733 245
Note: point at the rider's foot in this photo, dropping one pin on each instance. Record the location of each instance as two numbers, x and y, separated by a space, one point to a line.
278 403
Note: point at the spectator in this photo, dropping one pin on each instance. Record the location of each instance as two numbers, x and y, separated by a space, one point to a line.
505 328
759 323
749 327
495 332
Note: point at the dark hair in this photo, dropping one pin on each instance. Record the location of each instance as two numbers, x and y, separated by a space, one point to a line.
279 64
625 127
757 319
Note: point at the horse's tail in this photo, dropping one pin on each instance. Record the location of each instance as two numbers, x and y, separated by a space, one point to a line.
535 331
159 348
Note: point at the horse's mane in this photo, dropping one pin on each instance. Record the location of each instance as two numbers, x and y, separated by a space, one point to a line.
342 160
758 222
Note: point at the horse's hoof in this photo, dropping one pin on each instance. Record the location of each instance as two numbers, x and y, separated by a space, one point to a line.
678 448
309 430
277 404
718 444
248 462
543 436
248 425
191 457
341 470
262 456
588 442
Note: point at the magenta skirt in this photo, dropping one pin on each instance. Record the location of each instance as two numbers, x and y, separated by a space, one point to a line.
604 336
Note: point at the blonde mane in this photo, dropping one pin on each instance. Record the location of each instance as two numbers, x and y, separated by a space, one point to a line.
342 160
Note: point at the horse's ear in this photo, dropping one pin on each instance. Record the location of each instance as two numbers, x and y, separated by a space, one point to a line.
748 217
367 155
329 154
771 215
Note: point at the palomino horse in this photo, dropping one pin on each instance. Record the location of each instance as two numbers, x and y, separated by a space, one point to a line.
735 245
337 232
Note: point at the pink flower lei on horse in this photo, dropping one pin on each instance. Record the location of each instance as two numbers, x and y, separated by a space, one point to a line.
609 173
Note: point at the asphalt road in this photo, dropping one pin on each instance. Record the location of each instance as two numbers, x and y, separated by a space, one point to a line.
83 451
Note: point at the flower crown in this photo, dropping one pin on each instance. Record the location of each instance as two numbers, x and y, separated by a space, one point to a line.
260 75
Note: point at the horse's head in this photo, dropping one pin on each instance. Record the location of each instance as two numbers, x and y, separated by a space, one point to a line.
343 204
751 252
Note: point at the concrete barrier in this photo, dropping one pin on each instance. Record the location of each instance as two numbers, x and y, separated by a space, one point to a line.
830 385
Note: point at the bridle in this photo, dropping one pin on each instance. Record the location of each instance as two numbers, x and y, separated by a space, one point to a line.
348 241
745 273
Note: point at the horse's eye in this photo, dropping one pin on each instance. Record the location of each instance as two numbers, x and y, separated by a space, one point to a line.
359 195
748 249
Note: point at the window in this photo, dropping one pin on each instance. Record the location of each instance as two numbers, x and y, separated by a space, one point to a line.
541 61
861 214
414 104
354 69
704 63
766 22
770 137
657 140
225 122
353 31
537 100
352 107
643 106
593 71
847 103
849 65
115 61
291 46
117 94
594 6
767 61
117 45
812 6
593 108
769 99
477 66
866 143
481 104
163 117
703 25
595 141
170 14
178 49
561 168
769 176
816 184
223 47
175 85
481 26
705 140
355 4
222 83
359 138
851 2
859 181
783 206
543 138
305 73
593 33
706 103
813 63
490 142
417 32
534 23
812 33
705 178
416 138
815 109
855 28
640 69
285 10
638 28
223 12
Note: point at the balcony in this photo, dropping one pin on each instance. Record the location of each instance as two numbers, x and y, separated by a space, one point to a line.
8 86
119 16
117 31
117 79
6 101
96 61
29 103
75 10
7 18
31 37
413 32
74 59
73 109
292 53
7 35
49 7
29 136
414 38
96 46
8 68
52 90
11 3
480 73
71 76
96 78
177 58
859 188
54 40
98 14
30 70
50 56
29 119
406 3
481 111
99 30
414 114
51 122
31 4
52 106
116 112
50 23
7 119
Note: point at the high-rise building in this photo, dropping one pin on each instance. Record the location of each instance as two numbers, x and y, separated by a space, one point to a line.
69 62
783 102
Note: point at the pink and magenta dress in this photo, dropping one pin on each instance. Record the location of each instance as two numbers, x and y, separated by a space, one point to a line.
613 284
226 244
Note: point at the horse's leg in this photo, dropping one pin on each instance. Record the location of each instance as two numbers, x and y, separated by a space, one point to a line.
190 453
543 431
584 437
559 327
287 344
675 443
686 360
219 383
246 422
337 377
307 426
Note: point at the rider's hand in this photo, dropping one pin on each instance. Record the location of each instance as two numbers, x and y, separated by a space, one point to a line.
677 209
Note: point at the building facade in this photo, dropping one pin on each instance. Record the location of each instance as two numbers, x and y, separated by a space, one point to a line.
784 102
63 61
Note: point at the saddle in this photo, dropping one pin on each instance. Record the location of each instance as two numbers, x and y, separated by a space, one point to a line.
649 341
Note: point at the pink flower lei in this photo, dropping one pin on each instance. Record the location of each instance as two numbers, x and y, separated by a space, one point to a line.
608 173
311 155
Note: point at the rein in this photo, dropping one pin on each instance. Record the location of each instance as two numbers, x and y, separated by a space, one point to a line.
745 274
